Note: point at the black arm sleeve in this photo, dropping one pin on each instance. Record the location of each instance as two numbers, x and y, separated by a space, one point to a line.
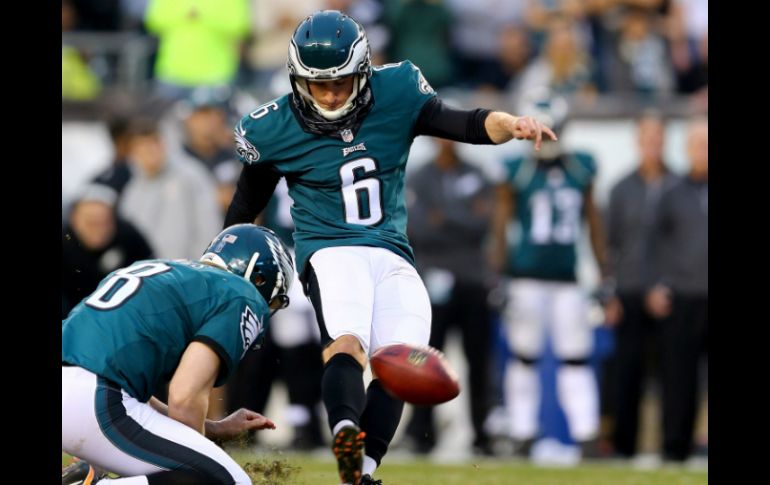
256 185
438 119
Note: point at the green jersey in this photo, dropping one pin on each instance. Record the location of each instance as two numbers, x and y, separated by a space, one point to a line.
349 191
549 199
134 328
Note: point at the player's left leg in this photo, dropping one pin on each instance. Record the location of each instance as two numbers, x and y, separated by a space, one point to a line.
572 344
402 314
343 302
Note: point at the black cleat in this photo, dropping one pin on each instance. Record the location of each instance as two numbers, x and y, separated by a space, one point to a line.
348 449
368 480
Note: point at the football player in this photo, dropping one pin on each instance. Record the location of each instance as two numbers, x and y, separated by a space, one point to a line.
188 323
549 194
341 139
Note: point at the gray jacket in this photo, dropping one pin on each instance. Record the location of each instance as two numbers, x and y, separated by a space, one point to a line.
630 219
680 241
177 210
462 197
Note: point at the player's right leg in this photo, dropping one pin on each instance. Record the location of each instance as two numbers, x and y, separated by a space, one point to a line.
525 319
341 288
111 430
402 314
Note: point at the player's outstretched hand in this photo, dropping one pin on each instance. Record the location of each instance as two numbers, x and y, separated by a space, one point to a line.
528 128
236 423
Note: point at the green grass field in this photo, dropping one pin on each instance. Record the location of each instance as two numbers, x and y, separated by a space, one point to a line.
307 470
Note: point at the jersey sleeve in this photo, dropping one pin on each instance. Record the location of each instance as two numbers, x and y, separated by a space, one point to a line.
257 134
232 329
406 86
419 91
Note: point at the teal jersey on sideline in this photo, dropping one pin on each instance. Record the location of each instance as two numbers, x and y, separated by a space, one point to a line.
345 193
549 199
134 328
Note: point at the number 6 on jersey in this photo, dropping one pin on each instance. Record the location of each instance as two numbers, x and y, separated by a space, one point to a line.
362 200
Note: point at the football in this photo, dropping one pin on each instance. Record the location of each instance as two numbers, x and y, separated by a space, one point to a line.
417 375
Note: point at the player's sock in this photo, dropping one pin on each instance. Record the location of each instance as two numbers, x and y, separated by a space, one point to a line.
579 397
369 465
522 396
379 420
342 388
337 427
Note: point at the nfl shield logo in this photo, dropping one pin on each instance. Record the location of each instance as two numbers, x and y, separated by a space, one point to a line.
347 136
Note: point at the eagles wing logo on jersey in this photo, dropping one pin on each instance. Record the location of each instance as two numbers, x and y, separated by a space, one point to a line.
251 328
425 88
245 149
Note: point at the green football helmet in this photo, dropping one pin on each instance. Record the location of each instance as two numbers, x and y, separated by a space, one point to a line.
257 254
329 45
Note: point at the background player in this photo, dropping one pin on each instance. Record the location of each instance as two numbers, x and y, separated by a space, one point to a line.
549 194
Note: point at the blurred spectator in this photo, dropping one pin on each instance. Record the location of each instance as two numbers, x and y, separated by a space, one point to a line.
368 13
172 201
679 293
117 175
132 13
450 208
689 44
540 13
639 62
515 52
273 23
199 42
97 15
208 139
78 81
549 194
476 40
632 209
563 66
604 19
420 32
95 242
